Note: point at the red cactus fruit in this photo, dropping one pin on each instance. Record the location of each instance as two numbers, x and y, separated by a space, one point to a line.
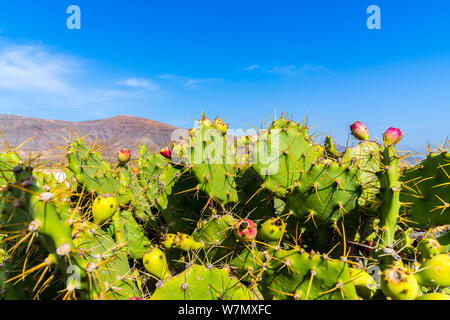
166 153
359 131
124 155
245 229
392 136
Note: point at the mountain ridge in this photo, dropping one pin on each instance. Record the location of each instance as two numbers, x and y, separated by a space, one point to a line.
113 133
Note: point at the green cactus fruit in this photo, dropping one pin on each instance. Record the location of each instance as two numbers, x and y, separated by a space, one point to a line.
103 208
398 283
429 248
272 230
245 230
220 125
434 296
435 272
204 122
168 240
155 263
186 243
365 284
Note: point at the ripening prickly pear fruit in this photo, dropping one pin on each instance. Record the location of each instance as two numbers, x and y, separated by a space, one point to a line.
245 229
168 240
359 131
155 263
104 207
205 123
429 248
364 283
186 243
392 136
220 125
166 153
435 272
399 283
123 156
434 296
272 230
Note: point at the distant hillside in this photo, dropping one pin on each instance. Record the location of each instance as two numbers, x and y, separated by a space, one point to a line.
114 133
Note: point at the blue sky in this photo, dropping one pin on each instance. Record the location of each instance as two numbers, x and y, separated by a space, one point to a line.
240 60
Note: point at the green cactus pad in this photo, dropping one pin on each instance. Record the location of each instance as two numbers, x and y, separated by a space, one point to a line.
303 276
283 152
426 192
93 173
325 193
200 283
367 157
109 271
130 234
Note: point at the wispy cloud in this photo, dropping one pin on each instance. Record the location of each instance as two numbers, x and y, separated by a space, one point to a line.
296 70
187 81
287 69
140 83
32 68
252 67
36 77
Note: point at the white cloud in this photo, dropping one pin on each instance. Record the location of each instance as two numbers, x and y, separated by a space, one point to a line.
252 67
140 83
36 78
294 70
33 68
187 81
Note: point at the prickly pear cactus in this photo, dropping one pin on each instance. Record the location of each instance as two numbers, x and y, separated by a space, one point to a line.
272 215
